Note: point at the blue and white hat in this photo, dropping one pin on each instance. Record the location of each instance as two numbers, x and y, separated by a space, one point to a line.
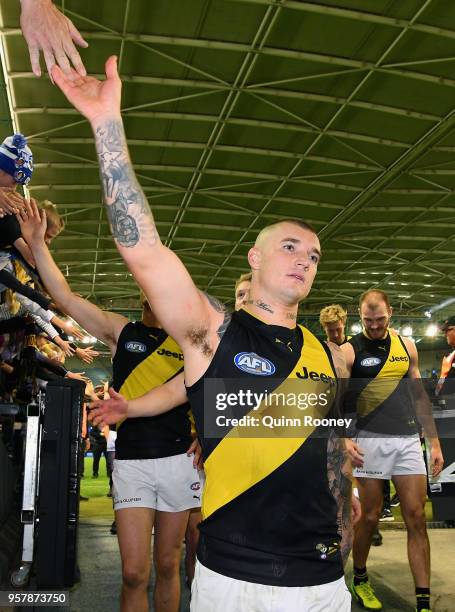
16 158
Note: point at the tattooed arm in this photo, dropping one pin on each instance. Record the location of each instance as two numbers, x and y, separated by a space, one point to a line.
339 473
183 311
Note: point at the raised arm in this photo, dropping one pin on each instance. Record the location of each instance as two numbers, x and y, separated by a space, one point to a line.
106 326
184 312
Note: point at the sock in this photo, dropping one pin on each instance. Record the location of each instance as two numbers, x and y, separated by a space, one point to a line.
423 598
360 575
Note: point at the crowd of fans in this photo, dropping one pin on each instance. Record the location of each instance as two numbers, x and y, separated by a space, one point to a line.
35 337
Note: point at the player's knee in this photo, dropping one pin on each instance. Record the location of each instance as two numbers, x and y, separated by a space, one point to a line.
371 516
415 517
135 577
167 566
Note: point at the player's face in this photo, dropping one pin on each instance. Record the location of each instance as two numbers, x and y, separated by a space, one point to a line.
242 294
335 331
375 320
289 262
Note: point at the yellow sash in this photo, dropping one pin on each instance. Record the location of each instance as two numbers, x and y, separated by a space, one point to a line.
153 371
385 383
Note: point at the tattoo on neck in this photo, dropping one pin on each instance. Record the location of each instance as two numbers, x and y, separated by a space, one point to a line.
291 315
260 304
127 208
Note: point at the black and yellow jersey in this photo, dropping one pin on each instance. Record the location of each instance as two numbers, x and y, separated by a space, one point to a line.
147 357
268 514
379 388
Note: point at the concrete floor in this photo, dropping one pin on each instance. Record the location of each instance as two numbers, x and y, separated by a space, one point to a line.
390 575
99 563
388 567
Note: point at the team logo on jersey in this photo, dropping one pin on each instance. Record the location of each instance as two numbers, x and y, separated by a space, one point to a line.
195 486
369 362
135 347
253 364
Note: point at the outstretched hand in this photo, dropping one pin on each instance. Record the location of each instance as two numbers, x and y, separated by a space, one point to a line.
86 354
96 100
110 411
33 223
46 29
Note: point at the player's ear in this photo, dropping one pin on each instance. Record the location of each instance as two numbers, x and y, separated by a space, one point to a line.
254 258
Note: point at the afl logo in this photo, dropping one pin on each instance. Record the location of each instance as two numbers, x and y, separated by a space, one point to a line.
253 364
135 347
370 361
195 486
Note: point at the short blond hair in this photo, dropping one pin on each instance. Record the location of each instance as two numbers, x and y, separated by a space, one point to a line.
332 314
243 278
54 220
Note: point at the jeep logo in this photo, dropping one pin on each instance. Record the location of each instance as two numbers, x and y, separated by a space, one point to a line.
312 375
166 353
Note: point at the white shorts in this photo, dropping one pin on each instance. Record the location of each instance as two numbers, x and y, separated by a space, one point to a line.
387 457
212 592
169 484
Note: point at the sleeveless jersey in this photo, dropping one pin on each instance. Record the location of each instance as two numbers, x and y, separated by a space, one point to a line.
268 514
147 357
379 386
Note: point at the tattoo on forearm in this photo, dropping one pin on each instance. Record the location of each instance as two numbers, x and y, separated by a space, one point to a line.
128 211
338 470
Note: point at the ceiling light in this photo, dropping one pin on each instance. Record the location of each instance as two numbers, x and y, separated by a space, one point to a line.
356 328
443 304
406 331
432 330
